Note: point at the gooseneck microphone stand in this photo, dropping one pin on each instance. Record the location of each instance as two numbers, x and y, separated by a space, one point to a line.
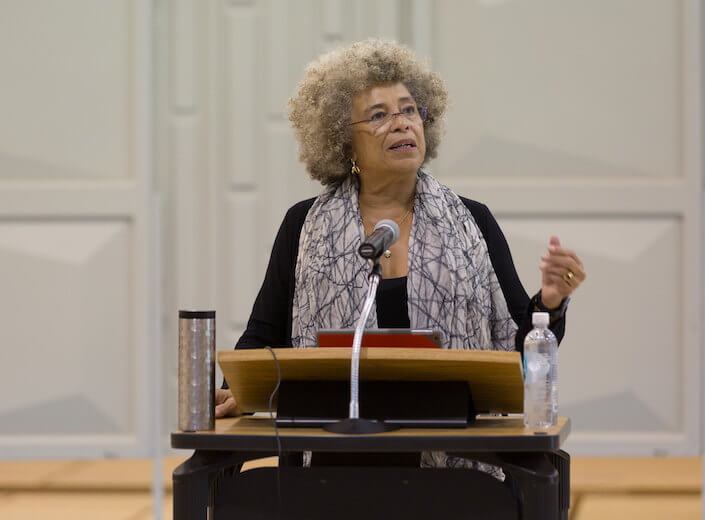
354 424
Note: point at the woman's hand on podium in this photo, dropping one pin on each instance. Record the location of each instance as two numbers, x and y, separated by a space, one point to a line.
225 405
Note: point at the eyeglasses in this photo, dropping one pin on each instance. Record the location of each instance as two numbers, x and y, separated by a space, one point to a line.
381 118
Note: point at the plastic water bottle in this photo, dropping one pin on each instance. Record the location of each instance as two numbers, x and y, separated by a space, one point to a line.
540 374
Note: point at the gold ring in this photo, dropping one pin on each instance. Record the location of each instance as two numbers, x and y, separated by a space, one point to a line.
568 277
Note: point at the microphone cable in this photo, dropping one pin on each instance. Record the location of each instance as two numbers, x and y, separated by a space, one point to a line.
276 430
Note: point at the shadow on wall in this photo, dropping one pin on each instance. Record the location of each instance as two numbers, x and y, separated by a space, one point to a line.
495 157
623 411
74 414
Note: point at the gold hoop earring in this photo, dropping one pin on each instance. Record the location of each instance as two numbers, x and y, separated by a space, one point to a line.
355 170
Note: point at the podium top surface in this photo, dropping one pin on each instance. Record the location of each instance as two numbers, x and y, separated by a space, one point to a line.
494 377
485 434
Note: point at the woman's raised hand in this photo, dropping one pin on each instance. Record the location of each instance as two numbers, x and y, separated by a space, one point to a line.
562 273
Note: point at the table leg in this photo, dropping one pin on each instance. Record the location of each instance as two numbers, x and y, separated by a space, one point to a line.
542 480
561 460
196 481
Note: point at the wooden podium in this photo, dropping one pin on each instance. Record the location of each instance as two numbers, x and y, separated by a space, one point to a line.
411 387
537 470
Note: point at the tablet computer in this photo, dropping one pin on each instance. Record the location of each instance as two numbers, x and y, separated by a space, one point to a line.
399 338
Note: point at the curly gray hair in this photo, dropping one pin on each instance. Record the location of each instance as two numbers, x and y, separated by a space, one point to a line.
320 111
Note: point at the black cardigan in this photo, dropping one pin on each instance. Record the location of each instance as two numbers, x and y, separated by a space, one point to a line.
270 321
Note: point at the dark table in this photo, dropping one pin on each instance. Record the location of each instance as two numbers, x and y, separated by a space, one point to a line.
538 484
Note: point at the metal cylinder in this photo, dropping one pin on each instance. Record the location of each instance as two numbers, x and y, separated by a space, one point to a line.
196 370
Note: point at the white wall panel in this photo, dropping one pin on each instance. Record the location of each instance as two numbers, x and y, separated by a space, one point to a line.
184 46
622 361
279 180
241 95
279 27
286 181
388 19
333 20
66 91
67 328
191 219
565 89
304 43
75 180
375 18
244 274
421 27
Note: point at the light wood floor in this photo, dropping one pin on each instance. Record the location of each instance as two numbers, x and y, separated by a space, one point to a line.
643 488
602 488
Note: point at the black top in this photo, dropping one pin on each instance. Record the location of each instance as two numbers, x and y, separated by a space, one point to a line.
270 321
392 304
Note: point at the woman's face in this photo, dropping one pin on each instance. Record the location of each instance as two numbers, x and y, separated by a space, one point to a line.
387 144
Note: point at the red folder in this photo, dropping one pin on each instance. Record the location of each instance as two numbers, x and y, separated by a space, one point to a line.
399 338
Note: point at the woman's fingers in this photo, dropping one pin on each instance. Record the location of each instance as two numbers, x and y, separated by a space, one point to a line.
227 408
221 394
225 403
560 275
557 279
554 270
564 252
562 270
222 409
559 284
565 262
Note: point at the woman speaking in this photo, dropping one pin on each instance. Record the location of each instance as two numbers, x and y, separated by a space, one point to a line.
368 117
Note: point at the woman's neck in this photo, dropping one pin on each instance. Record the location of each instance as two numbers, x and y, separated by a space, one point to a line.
379 197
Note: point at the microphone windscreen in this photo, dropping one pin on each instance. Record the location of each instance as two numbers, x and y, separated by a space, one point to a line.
391 225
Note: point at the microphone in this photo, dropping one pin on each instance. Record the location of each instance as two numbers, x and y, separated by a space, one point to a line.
386 232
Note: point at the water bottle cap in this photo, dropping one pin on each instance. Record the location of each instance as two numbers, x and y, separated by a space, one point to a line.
540 319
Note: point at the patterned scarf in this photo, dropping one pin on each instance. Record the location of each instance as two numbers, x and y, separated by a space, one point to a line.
451 284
